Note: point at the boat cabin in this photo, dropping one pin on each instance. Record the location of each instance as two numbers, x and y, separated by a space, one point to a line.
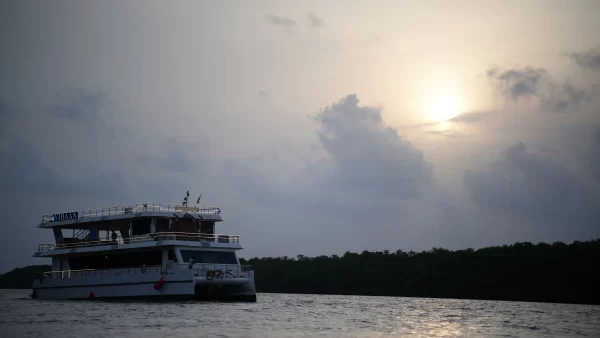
137 235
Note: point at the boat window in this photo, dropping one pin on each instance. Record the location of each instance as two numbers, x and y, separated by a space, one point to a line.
115 260
171 255
207 228
215 257
140 226
162 224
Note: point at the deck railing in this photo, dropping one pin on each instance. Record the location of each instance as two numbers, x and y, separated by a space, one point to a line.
205 240
101 272
141 207
207 270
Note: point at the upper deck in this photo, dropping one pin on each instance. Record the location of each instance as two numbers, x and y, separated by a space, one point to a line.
134 226
67 219
158 239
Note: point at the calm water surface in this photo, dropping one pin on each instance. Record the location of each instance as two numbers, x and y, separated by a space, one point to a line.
284 315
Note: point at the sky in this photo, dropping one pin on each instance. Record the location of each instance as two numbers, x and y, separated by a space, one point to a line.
317 127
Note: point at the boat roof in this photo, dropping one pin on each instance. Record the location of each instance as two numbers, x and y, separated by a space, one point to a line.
84 217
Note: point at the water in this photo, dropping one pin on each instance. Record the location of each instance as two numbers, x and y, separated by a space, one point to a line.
285 315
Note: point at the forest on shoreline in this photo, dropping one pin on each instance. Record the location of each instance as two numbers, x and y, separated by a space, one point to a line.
558 272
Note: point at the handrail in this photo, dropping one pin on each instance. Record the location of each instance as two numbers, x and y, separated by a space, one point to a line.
67 273
155 236
140 207
206 270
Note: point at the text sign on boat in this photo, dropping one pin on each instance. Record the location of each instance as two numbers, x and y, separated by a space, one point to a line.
64 216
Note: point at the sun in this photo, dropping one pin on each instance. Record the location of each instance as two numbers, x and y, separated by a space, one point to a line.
442 108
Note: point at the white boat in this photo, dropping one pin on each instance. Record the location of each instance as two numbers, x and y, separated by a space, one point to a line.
147 251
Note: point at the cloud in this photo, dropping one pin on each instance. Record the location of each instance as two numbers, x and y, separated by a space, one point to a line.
547 193
3 109
361 180
176 156
254 184
473 117
315 21
464 118
566 97
528 82
95 158
23 171
361 159
593 155
5 119
368 156
518 83
79 105
280 21
589 59
445 133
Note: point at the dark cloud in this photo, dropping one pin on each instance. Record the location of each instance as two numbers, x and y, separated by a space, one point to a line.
23 171
3 109
543 191
368 156
5 117
566 97
254 184
79 105
535 82
589 59
176 156
523 180
315 21
280 21
593 155
518 83
363 159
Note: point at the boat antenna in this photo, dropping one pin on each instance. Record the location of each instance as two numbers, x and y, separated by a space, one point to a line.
199 197
185 199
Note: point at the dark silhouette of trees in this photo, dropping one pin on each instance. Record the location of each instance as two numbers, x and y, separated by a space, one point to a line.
558 272
521 272
22 278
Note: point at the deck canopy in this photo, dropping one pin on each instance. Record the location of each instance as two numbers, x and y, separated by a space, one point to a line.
89 218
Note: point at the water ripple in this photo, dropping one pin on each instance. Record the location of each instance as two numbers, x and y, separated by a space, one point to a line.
287 315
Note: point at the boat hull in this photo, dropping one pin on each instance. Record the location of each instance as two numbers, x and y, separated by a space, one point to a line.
175 285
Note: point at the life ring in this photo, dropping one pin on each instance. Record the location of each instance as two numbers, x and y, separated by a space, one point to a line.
144 267
158 285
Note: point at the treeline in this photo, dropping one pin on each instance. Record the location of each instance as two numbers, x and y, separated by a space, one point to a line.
558 272
22 278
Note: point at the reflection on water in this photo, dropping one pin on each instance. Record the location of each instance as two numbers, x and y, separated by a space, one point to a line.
284 315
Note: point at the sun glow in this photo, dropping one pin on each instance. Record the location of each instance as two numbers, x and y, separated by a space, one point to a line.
442 108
